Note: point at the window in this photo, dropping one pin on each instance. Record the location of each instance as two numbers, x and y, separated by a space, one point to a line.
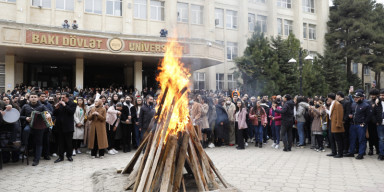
284 3
304 30
367 70
9 1
256 1
231 82
157 10
2 77
140 9
114 7
42 3
182 12
288 27
280 26
251 22
93 6
198 80
309 6
65 5
312 32
231 19
219 18
231 50
355 68
261 24
219 81
197 14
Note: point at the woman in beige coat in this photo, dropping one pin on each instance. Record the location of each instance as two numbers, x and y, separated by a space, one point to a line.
204 121
97 132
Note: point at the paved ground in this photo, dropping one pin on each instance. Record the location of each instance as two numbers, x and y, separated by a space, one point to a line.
252 169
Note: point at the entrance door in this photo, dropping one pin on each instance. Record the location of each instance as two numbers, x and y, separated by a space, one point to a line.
49 75
103 76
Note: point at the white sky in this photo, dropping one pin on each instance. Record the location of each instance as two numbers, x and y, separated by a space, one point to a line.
378 1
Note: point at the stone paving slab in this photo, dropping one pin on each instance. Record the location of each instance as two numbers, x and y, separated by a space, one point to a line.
252 169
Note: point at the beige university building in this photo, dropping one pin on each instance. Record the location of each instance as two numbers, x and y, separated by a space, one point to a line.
118 41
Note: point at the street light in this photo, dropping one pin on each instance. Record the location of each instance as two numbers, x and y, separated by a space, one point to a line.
308 57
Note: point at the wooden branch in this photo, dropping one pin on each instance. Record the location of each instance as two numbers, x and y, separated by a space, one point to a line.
218 173
132 179
196 168
132 163
180 162
166 182
141 168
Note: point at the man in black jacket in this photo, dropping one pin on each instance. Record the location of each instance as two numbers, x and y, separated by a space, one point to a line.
146 114
64 111
347 110
286 122
378 114
372 127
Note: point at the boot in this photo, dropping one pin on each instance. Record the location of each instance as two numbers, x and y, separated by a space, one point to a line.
370 153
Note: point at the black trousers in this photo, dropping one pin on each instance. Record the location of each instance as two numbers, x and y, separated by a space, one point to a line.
65 143
346 137
319 139
96 148
240 135
111 137
127 130
286 134
373 137
336 140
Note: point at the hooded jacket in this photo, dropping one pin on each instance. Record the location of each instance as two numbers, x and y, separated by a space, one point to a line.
286 112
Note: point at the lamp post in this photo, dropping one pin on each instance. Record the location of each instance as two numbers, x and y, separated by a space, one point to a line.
292 60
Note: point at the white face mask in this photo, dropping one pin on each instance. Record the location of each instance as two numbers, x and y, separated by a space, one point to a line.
109 100
228 102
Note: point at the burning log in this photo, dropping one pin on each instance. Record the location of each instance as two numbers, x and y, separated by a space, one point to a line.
173 143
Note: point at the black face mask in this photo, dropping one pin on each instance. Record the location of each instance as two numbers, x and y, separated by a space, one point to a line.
51 102
317 106
128 102
150 103
360 101
278 100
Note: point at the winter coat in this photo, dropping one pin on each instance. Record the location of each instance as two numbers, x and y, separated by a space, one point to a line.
212 114
64 117
221 117
231 109
27 109
303 107
112 117
286 112
97 126
255 120
204 116
337 115
317 122
241 119
196 113
79 118
146 115
277 117
378 113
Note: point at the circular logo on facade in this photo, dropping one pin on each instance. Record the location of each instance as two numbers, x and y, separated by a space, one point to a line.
115 44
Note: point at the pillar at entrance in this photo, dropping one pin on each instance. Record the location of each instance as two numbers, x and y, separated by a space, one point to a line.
128 76
19 70
138 75
79 73
10 62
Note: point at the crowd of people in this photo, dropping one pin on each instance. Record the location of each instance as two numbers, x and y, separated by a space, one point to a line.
59 122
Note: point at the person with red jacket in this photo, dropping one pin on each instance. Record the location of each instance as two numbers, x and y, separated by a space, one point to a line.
275 123
258 119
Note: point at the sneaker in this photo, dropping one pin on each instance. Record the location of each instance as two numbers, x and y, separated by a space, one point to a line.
93 157
246 144
111 152
74 153
115 151
88 152
78 151
54 155
101 157
211 145
273 145
276 146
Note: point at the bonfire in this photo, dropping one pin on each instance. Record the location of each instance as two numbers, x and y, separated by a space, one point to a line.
171 151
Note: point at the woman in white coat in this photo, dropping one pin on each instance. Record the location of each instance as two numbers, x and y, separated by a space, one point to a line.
78 134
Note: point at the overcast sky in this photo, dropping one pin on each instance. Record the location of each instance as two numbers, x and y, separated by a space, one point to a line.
378 1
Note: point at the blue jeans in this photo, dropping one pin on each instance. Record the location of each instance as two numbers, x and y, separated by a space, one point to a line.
39 135
300 130
26 132
138 135
357 132
258 133
275 133
380 133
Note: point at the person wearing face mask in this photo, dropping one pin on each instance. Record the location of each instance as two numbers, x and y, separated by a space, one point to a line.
230 108
347 110
359 127
372 127
129 133
135 119
278 100
318 114
97 132
146 114
79 119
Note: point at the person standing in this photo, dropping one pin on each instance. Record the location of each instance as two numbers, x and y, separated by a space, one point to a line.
147 112
64 112
113 121
230 108
79 118
258 120
378 113
317 112
347 110
221 122
196 116
138 134
240 123
97 141
286 122
336 115
302 109
275 123
359 127
372 124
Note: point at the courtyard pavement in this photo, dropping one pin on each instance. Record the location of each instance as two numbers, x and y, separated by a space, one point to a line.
252 169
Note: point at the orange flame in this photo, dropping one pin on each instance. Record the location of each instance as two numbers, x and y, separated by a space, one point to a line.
175 76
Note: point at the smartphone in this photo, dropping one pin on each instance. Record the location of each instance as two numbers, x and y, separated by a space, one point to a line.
351 89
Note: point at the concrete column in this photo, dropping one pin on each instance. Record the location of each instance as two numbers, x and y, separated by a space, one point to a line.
138 75
53 11
19 69
127 16
297 7
22 11
78 13
170 9
209 20
10 61
242 25
128 76
211 78
79 73
103 15
272 18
